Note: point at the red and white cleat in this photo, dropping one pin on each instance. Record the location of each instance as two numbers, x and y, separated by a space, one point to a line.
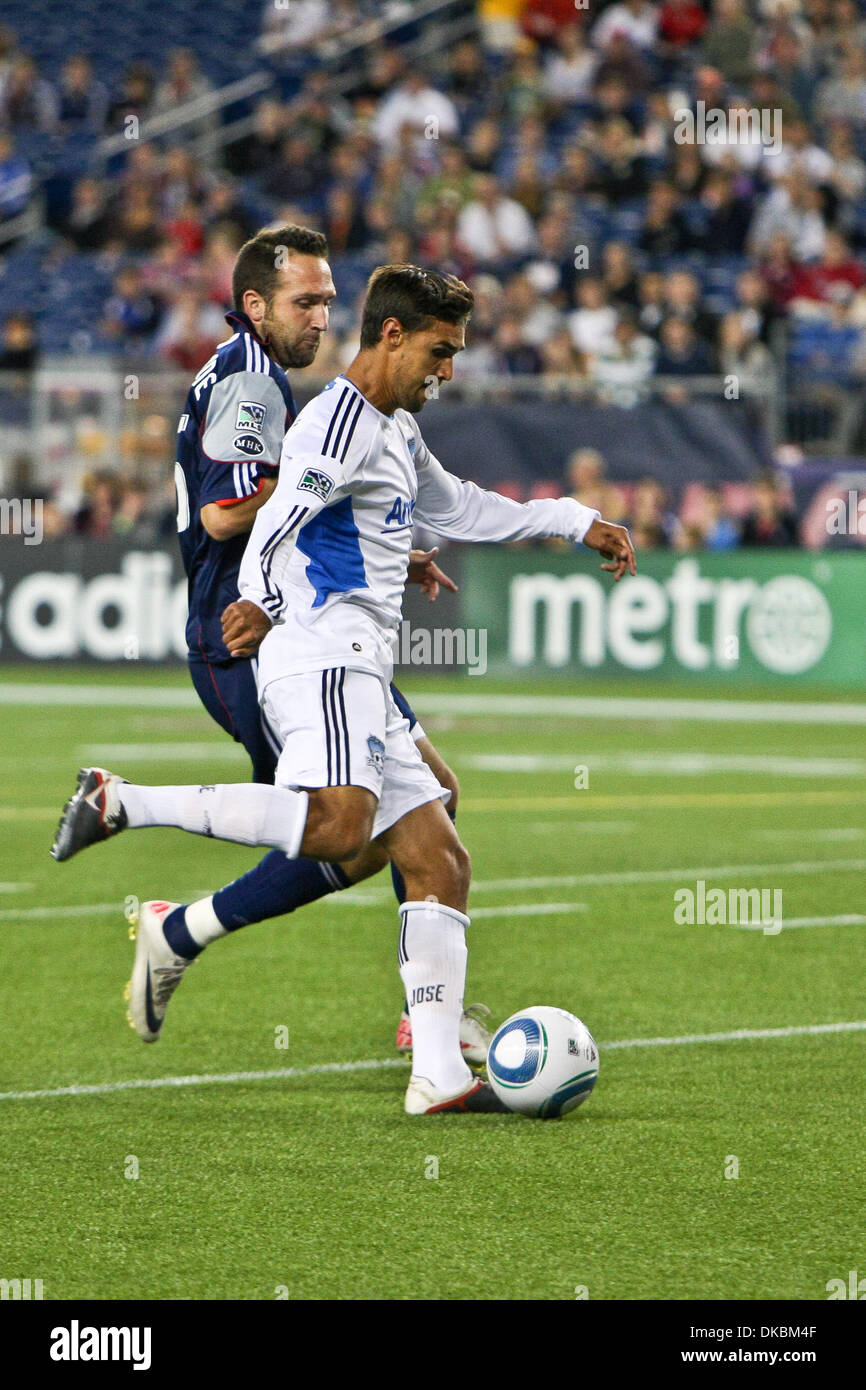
476 1098
475 1038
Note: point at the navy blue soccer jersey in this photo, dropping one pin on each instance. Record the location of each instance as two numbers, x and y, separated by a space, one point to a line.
230 437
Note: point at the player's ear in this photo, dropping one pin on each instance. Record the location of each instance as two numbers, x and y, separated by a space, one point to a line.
254 306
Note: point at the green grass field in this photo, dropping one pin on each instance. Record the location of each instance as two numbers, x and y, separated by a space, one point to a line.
315 1182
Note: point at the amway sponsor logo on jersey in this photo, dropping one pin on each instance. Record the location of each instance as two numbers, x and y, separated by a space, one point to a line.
77 1343
400 514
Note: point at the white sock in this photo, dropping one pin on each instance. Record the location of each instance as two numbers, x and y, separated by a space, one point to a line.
250 813
432 954
202 922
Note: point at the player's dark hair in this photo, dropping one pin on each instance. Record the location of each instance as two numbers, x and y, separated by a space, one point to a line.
415 297
260 259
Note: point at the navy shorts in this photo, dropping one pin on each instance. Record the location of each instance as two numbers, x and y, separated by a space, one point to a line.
229 694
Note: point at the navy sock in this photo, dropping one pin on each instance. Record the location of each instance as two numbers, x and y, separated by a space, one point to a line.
178 937
276 885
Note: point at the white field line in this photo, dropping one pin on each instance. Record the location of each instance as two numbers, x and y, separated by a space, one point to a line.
850 919
845 833
373 896
15 887
381 1064
675 764
107 754
528 910
450 704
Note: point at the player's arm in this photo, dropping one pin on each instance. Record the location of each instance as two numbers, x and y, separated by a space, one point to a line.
462 511
224 519
242 435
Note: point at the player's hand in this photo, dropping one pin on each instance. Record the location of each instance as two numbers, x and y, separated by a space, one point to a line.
614 544
245 626
423 571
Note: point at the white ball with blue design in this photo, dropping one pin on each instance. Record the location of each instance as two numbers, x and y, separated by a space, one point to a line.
543 1062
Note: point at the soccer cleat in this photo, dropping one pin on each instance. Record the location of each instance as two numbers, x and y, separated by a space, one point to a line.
92 813
403 1040
156 973
474 1037
477 1098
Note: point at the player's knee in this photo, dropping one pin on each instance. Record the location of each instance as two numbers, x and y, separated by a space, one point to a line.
338 828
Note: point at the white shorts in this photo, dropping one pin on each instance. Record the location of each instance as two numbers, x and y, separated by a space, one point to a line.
342 728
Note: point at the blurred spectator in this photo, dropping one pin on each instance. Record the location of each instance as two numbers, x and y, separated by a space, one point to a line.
729 40
569 71
592 323
19 350
131 311
621 369
256 152
88 224
190 331
514 354
829 280
794 208
102 492
665 231
586 479
843 97
83 100
492 227
418 105
650 524
635 20
16 180
681 23
135 97
727 216
770 522
683 301
184 83
742 355
28 102
716 529
682 352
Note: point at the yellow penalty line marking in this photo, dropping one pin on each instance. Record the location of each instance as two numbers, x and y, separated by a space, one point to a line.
673 800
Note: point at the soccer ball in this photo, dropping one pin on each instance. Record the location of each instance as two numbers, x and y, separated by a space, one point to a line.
543 1062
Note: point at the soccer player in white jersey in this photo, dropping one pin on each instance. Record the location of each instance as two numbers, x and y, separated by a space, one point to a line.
321 587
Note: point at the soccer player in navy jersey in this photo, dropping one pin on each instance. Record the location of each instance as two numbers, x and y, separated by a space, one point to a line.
230 437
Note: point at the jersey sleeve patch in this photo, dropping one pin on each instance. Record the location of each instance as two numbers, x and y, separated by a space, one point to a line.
250 416
314 480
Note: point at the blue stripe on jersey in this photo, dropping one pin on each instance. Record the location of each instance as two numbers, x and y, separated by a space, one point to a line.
331 543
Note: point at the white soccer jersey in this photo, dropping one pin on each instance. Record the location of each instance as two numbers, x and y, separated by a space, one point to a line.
328 554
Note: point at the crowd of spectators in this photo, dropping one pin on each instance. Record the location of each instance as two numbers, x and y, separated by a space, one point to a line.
546 159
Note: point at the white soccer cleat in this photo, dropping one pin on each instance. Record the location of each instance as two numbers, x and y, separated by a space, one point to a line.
475 1098
156 973
474 1037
